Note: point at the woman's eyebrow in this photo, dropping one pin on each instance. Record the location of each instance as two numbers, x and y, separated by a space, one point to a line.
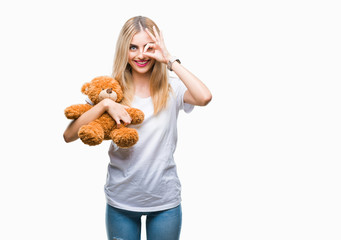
134 45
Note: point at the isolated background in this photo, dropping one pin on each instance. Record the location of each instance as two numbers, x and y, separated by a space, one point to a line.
261 161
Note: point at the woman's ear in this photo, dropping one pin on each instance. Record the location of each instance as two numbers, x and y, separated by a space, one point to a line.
85 88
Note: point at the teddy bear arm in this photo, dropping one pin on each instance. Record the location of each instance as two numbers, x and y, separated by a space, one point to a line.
137 116
75 111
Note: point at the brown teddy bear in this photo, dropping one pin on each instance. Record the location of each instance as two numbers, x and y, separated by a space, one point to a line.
105 128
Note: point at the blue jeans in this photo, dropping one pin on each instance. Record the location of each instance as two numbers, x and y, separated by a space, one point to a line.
126 225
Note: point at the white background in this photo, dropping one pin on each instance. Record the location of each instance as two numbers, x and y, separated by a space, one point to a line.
261 161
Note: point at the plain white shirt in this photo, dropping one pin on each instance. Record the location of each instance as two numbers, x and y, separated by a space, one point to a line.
144 178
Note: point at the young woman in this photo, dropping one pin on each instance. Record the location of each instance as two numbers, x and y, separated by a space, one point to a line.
142 180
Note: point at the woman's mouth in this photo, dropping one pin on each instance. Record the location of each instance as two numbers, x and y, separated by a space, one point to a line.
142 63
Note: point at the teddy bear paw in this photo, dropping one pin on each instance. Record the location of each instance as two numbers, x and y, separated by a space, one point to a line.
90 135
71 113
124 137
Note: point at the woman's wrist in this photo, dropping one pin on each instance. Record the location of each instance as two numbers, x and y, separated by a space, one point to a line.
167 58
106 103
171 62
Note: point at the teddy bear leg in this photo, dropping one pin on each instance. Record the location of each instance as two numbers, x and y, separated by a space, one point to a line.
124 137
91 134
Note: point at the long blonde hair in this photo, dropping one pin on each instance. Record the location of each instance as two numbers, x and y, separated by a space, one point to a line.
159 86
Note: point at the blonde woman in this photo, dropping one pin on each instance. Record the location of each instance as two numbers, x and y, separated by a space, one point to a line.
142 180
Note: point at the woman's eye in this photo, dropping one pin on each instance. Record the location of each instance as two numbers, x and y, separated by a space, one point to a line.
133 48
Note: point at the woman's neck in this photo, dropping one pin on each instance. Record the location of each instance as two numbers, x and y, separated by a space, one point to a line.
141 84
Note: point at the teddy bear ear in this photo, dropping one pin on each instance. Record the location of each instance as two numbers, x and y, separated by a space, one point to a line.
118 89
85 88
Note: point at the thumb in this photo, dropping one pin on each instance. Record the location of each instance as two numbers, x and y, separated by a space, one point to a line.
148 54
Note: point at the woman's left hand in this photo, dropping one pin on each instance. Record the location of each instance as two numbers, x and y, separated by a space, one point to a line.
156 50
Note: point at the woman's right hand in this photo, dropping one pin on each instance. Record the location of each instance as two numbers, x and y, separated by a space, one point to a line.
117 111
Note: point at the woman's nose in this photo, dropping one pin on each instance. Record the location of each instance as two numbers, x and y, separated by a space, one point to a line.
140 54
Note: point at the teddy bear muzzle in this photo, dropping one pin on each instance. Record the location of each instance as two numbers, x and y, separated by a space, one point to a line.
107 93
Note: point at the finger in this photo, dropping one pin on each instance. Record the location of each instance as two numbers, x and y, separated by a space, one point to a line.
127 118
122 123
118 121
150 34
161 36
149 45
145 48
125 123
156 33
148 54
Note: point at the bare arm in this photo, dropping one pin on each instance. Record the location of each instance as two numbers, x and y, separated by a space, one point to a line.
197 93
116 111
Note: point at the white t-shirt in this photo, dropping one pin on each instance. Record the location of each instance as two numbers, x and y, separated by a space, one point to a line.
143 178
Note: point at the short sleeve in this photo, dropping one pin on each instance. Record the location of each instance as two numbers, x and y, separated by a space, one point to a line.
88 101
179 90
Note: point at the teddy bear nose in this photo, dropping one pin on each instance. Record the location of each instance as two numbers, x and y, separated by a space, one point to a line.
109 90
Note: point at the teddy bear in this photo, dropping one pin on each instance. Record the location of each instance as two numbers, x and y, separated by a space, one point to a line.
105 127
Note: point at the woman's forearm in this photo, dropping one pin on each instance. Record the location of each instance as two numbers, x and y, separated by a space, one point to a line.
71 132
198 93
